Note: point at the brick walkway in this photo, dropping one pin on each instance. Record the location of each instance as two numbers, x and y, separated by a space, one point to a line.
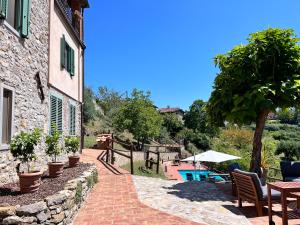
114 201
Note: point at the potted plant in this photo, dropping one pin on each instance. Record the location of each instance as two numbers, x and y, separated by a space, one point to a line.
54 149
72 145
22 147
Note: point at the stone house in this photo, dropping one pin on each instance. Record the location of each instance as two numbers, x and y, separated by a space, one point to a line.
41 72
176 111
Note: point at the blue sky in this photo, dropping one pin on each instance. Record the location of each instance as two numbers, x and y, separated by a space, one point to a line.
167 46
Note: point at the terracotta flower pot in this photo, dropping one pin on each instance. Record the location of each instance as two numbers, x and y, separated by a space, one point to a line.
55 169
74 160
30 182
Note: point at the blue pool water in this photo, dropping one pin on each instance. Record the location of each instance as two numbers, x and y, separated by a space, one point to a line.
198 175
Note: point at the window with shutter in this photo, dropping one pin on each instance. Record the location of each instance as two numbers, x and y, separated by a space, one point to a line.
72 120
17 14
25 15
67 57
7 104
3 8
55 113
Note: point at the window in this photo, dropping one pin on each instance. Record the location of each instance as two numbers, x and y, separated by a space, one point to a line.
7 116
17 14
72 119
55 113
67 57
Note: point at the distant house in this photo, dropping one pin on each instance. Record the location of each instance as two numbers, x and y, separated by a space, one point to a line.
177 111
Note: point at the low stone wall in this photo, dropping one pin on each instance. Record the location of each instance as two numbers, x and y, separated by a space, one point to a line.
58 209
139 156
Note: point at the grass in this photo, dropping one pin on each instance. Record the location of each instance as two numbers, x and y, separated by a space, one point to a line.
89 141
144 172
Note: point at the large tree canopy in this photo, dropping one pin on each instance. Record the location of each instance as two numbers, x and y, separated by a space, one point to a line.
139 116
255 79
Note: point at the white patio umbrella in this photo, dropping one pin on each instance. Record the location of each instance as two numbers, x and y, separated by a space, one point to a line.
211 156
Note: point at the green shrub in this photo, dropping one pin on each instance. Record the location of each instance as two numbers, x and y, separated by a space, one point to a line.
95 177
78 194
53 146
72 144
90 181
290 150
22 146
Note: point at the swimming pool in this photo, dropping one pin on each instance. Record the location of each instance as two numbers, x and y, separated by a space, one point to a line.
198 175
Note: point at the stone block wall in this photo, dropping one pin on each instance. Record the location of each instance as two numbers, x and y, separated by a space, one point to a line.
58 209
20 60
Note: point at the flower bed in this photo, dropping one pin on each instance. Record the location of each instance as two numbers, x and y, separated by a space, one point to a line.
56 202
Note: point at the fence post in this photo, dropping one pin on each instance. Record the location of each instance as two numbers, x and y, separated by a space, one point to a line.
147 160
107 155
157 165
131 160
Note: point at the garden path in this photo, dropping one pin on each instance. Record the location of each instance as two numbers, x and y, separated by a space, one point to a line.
114 200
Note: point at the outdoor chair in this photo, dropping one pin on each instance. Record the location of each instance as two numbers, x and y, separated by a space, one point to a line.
249 188
231 168
189 177
290 171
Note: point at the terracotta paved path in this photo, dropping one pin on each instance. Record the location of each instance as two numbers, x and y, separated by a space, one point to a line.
114 201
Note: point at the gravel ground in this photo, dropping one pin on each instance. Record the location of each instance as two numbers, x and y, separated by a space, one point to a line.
10 193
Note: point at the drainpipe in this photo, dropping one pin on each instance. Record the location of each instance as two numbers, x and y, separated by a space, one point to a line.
82 91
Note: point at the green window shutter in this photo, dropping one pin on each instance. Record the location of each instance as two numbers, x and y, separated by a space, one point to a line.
72 120
59 115
72 62
69 58
3 8
25 19
53 112
63 52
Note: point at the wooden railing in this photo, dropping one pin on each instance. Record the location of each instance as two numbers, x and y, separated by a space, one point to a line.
151 161
111 151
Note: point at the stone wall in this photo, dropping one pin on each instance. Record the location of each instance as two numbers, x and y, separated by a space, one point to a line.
59 208
20 60
139 156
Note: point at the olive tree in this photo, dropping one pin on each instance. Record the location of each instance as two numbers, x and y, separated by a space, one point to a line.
255 79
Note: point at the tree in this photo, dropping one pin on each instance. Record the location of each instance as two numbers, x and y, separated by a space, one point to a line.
197 119
109 100
172 124
139 116
255 79
288 115
89 110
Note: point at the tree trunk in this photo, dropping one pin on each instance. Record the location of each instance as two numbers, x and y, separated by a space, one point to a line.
255 165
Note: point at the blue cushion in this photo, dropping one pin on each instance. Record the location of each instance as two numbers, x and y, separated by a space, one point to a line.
233 166
290 169
292 179
276 195
256 181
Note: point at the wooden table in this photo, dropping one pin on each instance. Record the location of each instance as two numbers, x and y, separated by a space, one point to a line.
287 189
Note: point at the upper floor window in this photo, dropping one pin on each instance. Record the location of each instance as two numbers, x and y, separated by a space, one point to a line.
6 120
67 57
17 14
